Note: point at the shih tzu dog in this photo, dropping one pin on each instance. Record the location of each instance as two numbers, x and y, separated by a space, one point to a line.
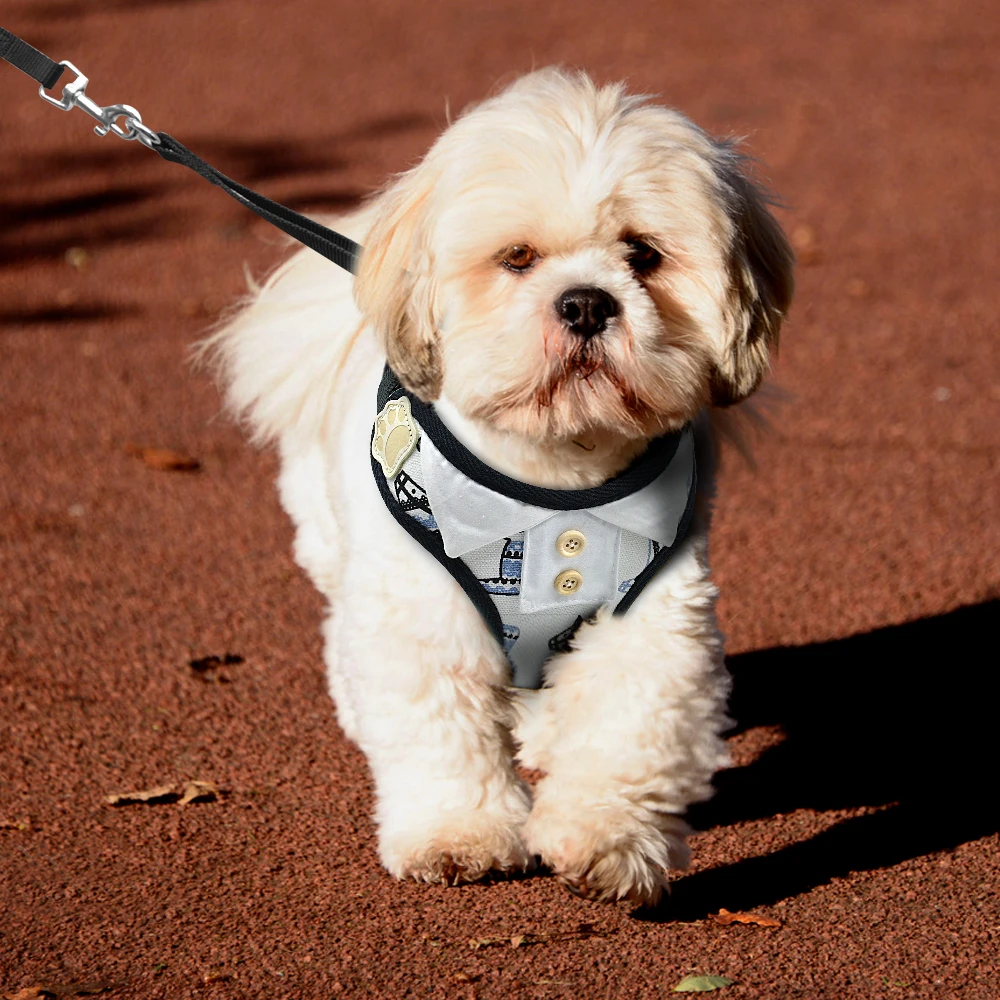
495 448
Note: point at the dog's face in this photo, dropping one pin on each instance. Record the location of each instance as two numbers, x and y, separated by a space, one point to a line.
570 260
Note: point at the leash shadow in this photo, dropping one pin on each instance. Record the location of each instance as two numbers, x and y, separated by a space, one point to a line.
55 314
900 718
251 161
42 221
65 9
298 173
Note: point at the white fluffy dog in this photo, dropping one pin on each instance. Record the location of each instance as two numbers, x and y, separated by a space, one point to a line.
571 276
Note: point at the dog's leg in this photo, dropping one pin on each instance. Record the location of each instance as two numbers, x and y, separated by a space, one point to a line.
635 713
340 691
434 720
532 727
303 491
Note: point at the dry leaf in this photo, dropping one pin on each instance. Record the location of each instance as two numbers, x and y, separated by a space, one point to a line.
803 237
164 459
47 990
519 940
701 984
477 943
725 917
805 241
162 793
189 791
77 257
199 791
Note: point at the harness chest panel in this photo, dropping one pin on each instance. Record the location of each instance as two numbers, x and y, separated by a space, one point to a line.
535 562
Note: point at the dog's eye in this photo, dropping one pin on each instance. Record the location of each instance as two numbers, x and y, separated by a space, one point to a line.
519 257
642 258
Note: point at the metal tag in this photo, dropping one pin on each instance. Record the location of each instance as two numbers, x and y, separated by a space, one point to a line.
394 437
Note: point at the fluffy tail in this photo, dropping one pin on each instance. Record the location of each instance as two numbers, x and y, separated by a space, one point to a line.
278 356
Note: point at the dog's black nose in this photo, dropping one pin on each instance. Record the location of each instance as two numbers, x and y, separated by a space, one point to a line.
586 310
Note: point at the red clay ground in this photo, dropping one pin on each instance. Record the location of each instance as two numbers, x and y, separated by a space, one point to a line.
863 811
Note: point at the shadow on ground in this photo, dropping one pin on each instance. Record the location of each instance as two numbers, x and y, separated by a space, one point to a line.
45 9
44 227
55 314
902 717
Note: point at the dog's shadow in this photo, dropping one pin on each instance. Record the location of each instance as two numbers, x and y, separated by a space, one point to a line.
902 717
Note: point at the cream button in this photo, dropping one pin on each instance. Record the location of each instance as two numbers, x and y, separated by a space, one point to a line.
571 543
568 582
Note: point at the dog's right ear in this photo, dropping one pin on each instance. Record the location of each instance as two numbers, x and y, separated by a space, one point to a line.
395 288
762 281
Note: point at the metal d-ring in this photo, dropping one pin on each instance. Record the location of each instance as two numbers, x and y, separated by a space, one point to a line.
74 95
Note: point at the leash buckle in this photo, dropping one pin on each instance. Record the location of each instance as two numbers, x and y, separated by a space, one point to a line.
74 95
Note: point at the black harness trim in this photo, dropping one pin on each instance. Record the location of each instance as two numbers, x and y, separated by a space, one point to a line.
431 540
639 474
661 558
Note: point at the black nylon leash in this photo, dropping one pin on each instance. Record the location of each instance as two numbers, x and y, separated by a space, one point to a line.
29 60
342 251
335 247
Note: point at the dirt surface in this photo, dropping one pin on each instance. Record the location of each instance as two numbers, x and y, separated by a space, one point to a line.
861 812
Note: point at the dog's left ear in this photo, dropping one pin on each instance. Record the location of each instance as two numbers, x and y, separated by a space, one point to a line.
394 285
761 283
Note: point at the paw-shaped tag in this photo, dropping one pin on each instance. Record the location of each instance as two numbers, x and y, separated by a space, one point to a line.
395 436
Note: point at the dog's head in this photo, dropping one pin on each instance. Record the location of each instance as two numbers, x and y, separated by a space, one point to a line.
570 259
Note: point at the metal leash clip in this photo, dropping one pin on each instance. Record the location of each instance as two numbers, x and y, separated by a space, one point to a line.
75 95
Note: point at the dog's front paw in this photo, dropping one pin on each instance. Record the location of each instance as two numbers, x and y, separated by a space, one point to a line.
607 852
460 848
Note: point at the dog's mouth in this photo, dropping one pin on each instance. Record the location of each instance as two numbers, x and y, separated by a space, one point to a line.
584 374
581 389
580 360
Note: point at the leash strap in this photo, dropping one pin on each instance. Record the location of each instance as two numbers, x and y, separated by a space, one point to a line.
29 60
335 247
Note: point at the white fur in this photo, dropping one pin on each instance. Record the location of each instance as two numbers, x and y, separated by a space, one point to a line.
627 727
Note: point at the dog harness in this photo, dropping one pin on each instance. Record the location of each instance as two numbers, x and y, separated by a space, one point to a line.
535 562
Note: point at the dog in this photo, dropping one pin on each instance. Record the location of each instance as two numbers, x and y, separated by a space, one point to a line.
547 306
